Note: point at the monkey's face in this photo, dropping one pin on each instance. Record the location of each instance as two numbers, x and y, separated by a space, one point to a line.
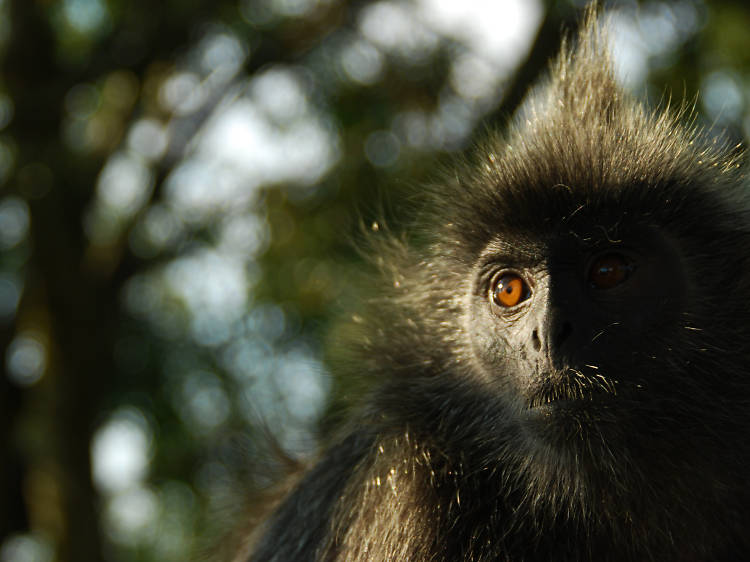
577 324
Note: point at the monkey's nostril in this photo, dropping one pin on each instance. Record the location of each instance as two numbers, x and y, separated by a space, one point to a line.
535 341
563 334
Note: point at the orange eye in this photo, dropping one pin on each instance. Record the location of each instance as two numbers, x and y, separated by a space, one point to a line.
609 271
510 290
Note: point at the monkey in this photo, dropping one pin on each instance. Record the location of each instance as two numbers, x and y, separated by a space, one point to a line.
562 351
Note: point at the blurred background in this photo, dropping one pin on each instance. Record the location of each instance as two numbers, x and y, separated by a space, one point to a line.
180 182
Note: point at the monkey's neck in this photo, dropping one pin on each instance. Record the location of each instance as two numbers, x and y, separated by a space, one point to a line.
408 502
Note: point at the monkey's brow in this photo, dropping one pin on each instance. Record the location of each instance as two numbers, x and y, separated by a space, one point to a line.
513 251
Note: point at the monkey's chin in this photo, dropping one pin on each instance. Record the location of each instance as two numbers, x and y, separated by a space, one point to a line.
580 409
569 392
568 424
560 410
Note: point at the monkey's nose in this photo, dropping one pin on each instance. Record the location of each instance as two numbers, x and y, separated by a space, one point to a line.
536 342
562 335
553 337
558 339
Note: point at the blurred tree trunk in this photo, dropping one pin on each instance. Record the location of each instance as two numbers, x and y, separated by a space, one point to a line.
78 305
12 509
80 300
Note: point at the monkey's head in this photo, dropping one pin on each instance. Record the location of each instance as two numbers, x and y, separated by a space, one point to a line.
589 272
608 278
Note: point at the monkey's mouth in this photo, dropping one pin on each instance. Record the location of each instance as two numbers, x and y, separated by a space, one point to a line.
570 388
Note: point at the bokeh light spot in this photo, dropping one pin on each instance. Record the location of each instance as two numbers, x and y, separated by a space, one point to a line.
121 450
382 148
15 220
26 358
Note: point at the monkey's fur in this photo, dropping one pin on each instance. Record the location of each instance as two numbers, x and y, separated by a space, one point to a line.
588 422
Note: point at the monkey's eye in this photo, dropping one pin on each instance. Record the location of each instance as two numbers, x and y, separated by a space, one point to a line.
610 270
510 290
